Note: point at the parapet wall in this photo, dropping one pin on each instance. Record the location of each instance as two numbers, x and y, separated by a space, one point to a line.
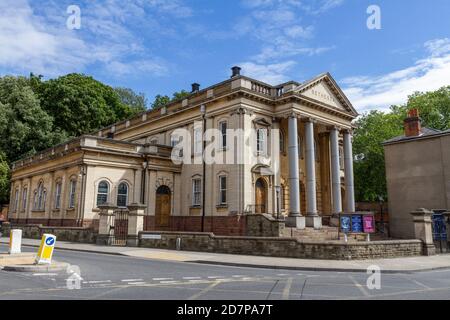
281 247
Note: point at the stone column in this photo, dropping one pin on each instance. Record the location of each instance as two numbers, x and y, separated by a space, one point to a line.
312 218
335 170
423 230
275 154
135 223
348 163
105 233
295 219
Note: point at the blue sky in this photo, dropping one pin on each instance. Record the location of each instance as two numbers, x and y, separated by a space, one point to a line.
162 46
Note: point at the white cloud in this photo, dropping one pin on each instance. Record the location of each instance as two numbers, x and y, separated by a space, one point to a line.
269 73
34 38
382 91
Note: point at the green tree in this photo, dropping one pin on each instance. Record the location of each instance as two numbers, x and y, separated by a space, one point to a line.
24 127
372 130
434 107
80 104
137 102
161 101
4 179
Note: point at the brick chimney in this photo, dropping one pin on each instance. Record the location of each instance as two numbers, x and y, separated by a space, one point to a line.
412 124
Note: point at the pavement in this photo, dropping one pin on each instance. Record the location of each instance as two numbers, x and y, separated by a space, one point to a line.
392 265
98 276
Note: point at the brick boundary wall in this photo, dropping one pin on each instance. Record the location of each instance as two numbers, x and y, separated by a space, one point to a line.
35 231
282 247
246 225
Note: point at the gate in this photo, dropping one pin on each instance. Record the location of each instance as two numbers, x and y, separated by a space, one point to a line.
439 231
120 227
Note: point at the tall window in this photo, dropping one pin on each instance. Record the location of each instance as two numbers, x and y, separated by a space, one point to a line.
198 141
24 198
222 190
300 147
174 140
58 195
16 200
261 141
282 142
39 197
72 191
223 134
196 192
341 157
102 193
122 195
282 199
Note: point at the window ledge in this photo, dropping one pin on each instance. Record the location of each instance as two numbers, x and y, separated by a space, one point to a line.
223 205
196 207
38 211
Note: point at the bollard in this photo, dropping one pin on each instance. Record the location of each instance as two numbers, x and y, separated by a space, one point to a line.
45 252
178 244
15 241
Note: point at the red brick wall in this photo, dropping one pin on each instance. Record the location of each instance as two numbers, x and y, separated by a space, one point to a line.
376 208
222 225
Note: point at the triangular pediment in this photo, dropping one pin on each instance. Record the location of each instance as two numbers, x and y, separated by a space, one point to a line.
325 90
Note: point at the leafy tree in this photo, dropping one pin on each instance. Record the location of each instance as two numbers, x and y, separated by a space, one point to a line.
161 101
372 130
137 102
24 127
4 179
434 107
80 104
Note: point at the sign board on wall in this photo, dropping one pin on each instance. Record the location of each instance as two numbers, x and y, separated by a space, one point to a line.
345 224
357 224
369 224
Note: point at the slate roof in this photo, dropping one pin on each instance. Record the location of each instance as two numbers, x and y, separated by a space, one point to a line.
426 132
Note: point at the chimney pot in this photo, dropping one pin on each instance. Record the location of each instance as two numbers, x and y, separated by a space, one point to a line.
412 124
195 87
236 71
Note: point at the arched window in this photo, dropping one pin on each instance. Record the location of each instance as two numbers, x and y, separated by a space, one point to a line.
58 195
39 197
122 195
102 193
24 199
72 190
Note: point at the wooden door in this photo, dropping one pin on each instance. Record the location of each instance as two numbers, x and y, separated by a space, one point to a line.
163 206
260 196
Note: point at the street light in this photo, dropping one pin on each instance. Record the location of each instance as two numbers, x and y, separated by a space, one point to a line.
203 113
278 190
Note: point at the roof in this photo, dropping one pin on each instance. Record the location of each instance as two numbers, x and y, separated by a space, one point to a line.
425 133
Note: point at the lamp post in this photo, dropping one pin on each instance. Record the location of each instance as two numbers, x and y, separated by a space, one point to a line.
381 200
203 112
278 190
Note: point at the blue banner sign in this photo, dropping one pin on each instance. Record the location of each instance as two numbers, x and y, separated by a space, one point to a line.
345 224
357 223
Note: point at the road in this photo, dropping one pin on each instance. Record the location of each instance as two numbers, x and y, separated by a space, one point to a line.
119 277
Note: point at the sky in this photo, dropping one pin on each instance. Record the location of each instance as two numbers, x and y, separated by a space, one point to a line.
162 46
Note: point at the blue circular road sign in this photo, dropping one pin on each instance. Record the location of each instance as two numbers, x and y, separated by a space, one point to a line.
50 241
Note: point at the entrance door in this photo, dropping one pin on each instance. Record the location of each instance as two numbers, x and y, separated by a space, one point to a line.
260 196
162 210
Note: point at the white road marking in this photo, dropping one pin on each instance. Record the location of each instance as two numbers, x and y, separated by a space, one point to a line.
171 281
44 274
282 274
213 277
131 280
137 283
191 278
97 281
237 276
159 279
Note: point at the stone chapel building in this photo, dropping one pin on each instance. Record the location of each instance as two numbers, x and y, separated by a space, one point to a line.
303 128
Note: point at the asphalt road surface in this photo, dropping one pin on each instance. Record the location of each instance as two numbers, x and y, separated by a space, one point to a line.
118 277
